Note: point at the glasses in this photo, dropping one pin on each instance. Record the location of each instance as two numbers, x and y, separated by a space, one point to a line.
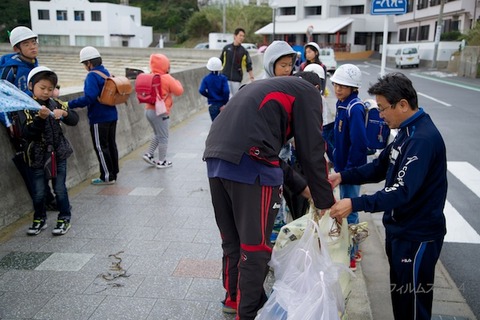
381 110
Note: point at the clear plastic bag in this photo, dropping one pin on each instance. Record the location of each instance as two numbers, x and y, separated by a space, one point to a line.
306 281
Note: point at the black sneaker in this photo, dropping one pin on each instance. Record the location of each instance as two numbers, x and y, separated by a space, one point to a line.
164 164
62 227
37 227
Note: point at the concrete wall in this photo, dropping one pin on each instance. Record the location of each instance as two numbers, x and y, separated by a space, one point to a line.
133 131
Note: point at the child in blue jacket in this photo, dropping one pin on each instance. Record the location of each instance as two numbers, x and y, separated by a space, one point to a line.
214 87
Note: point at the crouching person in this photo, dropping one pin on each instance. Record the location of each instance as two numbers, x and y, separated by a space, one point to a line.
48 149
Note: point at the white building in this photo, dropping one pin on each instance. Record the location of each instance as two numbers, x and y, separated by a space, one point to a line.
347 25
419 24
81 23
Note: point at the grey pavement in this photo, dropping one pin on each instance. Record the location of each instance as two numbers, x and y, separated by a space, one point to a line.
148 248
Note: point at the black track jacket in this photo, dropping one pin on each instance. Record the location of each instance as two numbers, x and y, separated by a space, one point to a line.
259 120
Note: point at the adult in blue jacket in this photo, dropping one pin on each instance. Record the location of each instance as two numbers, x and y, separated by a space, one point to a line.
102 118
414 167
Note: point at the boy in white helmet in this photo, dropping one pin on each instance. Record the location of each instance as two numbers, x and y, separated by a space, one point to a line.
15 67
328 112
102 118
350 135
48 149
214 87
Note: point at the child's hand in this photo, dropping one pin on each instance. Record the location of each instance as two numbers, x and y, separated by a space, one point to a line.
59 113
44 112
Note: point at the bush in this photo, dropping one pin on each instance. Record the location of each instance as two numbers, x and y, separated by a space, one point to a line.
451 36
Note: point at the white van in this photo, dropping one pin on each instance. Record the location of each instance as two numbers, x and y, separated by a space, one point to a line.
327 56
407 56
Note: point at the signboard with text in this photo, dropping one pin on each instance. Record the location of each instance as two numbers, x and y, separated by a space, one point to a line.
384 7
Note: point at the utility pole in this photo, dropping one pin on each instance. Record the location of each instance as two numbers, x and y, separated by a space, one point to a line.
224 18
437 34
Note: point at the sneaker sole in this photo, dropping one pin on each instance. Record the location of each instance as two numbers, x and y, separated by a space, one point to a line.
34 233
164 167
61 232
103 183
150 162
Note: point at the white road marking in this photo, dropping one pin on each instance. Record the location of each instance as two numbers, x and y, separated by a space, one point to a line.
467 174
458 229
432 98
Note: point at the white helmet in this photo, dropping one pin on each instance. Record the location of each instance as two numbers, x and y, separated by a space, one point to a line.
88 53
313 67
39 69
312 44
214 64
20 34
348 75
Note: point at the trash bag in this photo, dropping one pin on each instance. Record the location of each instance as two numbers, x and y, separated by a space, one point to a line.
306 283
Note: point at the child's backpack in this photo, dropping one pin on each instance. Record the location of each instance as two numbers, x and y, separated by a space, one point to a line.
116 90
147 87
376 128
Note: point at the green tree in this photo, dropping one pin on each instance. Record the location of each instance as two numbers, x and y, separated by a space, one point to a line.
473 36
14 13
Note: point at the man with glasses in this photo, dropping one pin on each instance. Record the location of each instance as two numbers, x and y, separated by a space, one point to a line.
350 136
414 167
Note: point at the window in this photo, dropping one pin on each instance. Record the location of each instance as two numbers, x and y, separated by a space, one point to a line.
62 15
43 15
410 5
412 34
79 15
96 41
313 11
402 35
450 25
422 4
96 16
360 38
424 31
289 11
357 10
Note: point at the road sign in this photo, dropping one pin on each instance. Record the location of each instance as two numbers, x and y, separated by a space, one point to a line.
382 7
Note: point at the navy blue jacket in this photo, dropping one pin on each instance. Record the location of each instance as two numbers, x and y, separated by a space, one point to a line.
214 87
97 112
350 135
414 167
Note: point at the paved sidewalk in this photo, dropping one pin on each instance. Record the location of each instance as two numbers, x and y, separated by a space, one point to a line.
148 248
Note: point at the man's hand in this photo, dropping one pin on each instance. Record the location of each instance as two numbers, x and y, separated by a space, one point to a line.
341 209
335 179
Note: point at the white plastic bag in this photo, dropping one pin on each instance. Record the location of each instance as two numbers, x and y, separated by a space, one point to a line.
306 281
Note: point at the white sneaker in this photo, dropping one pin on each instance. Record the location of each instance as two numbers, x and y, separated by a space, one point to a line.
149 159
164 164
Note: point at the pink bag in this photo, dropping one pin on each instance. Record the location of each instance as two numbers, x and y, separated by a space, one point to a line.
160 107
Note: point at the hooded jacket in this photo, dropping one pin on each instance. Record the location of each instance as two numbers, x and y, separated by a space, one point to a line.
15 70
414 167
259 120
274 51
92 88
159 64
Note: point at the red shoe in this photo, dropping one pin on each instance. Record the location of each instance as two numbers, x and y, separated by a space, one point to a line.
358 256
353 265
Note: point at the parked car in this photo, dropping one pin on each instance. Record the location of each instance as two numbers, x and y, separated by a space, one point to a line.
327 56
249 46
407 56
202 45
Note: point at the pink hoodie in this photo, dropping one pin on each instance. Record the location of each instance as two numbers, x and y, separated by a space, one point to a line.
160 64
